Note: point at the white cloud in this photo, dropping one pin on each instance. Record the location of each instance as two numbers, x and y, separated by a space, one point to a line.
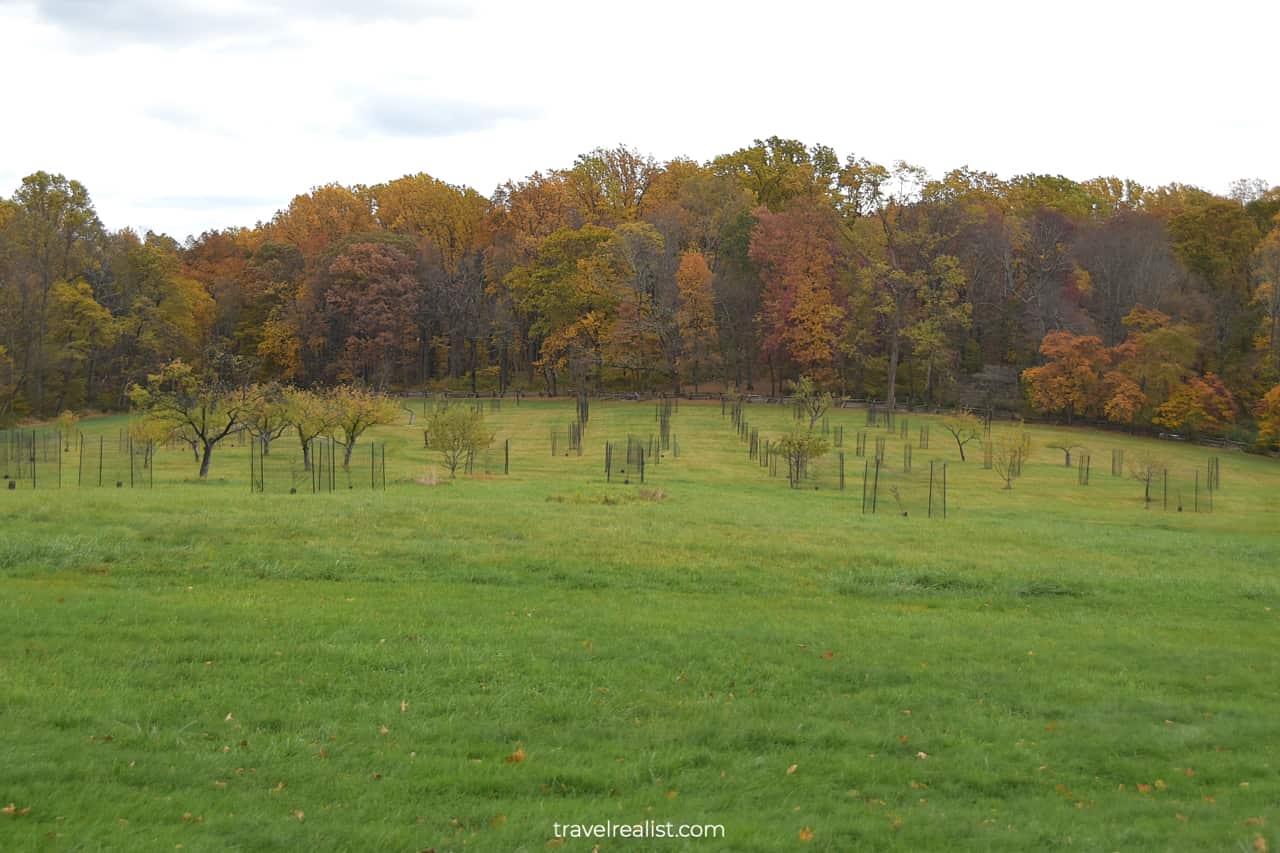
405 114
168 23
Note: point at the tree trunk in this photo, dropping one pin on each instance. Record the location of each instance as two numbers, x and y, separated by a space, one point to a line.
90 363
473 367
894 349
346 453
204 460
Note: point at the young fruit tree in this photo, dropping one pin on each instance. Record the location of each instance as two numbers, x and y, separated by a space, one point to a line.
811 401
964 427
267 418
202 408
456 432
67 423
311 415
1146 467
1008 451
800 447
1067 449
146 433
355 409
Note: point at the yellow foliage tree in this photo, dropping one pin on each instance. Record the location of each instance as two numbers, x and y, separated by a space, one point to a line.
355 410
200 407
1268 412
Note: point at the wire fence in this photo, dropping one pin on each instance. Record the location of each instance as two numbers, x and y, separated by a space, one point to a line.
51 459
114 462
322 465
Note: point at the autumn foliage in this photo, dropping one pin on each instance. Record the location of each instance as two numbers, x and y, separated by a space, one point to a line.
1072 382
1152 307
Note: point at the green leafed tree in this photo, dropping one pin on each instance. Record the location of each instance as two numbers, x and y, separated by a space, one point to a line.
456 432
800 447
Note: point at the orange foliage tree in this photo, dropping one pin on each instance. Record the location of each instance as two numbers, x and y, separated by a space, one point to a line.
797 253
1072 383
1199 404
696 317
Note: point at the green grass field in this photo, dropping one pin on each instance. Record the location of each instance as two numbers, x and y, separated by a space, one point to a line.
196 667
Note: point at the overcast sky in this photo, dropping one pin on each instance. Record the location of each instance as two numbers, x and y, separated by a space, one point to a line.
185 115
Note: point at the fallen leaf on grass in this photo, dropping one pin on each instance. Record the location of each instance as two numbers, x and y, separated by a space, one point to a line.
806 834
517 756
278 788
792 769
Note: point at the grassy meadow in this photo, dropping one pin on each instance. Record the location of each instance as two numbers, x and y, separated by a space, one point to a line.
459 664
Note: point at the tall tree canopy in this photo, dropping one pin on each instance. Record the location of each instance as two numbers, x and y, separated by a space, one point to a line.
1151 306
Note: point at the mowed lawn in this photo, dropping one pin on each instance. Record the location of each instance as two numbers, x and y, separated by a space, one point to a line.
460 665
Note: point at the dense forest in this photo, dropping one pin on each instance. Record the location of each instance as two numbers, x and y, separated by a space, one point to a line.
1096 300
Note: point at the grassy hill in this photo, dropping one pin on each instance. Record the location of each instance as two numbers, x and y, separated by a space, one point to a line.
461 664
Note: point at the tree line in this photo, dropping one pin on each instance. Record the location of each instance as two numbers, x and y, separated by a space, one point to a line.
1101 299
